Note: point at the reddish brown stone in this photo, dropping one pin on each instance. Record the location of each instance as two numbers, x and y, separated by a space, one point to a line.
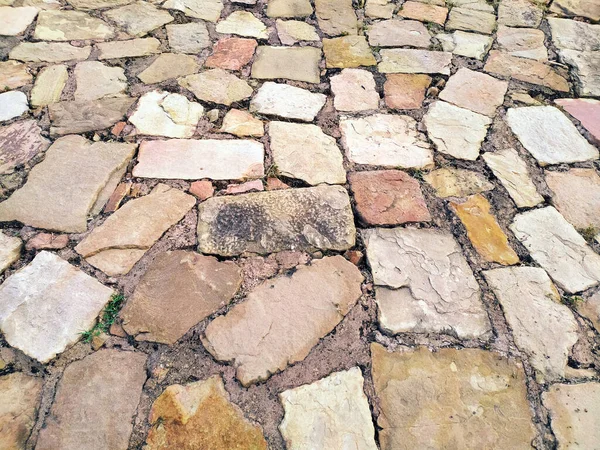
47 241
232 53
289 259
354 256
117 197
118 128
249 186
202 189
586 110
405 90
274 184
388 197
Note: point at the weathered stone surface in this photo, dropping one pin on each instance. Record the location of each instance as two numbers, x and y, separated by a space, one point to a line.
200 415
471 20
97 4
586 110
283 318
202 189
379 9
96 80
438 389
123 238
177 291
354 90
14 74
217 86
169 65
95 402
405 91
483 230
209 10
472 45
52 52
188 37
475 91
590 309
292 31
47 241
523 42
556 246
243 23
10 250
330 413
49 85
586 69
549 135
12 104
512 172
424 12
14 21
287 101
456 131
424 284
386 140
46 305
248 186
190 159
19 142
300 219
348 51
520 13
85 115
289 8
304 152
451 182
232 53
242 123
139 18
292 63
336 17
55 25
585 8
400 60
19 400
398 33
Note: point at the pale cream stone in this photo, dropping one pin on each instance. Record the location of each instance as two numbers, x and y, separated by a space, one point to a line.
471 45
53 52
242 123
400 60
54 25
10 250
209 10
131 48
243 23
14 21
49 85
287 101
292 31
139 18
217 86
96 80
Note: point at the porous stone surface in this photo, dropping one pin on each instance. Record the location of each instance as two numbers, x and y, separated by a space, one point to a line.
232 53
292 63
189 37
451 182
19 142
290 102
519 13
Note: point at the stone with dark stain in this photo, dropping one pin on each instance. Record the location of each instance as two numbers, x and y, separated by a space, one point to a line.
19 142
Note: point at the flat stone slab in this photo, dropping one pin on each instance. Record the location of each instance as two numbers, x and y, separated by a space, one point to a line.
125 236
467 19
14 74
12 104
49 85
348 51
549 135
405 90
83 116
97 4
167 66
386 140
243 23
139 18
439 388
526 294
52 52
189 37
56 25
289 8
523 42
590 308
96 80
242 124
336 17
434 13
284 318
398 33
190 159
574 35
402 60
354 90
585 69
585 8
556 246
379 9
232 53
19 142
424 284
45 306
292 63
95 402
338 404
131 48
209 10
14 21
452 182
287 101
217 86
520 13
471 45
10 250
586 110
292 31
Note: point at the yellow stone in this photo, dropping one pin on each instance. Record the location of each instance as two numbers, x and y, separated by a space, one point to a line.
484 232
348 51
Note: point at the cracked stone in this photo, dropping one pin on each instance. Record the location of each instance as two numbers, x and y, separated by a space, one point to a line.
471 20
520 13
12 104
398 33
231 53
14 74
354 90
70 26
283 100
14 21
53 52
167 66
289 8
209 10
424 12
243 23
292 63
190 37
451 182
19 142
586 110
49 85
402 60
83 116
10 250
241 123
291 32
523 42
217 86
336 17
405 91
139 18
96 80
471 45
47 241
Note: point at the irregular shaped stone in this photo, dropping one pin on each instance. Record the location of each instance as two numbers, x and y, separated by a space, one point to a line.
12 104
586 110
520 13
337 404
179 290
401 60
471 20
19 142
96 80
354 90
471 45
139 18
449 384
586 70
227 159
388 197
188 37
585 8
348 51
451 182
49 85
523 42
14 74
217 86
526 294
475 91
483 230
19 396
289 8
167 66
549 135
386 140
379 9
14 21
456 131
248 186
284 318
300 219
95 402
336 17
590 308
556 246
398 33
292 63
574 35
56 25
243 23
424 284
52 52
161 113
45 306
304 152
405 91
512 172
10 250
200 415
83 116
424 12
232 53
125 236
202 189
287 101
97 4
47 241
209 10
292 31
242 123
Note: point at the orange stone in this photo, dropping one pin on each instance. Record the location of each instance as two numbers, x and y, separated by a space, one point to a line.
423 12
202 189
232 53
121 191
405 90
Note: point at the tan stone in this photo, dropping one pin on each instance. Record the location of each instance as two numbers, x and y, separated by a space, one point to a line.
52 52
379 9
283 100
217 86
14 21
522 42
139 18
398 33
96 80
242 123
292 31
49 85
424 12
47 241
13 75
348 51
336 17
289 8
209 10
19 403
169 65
292 63
97 4
243 23
405 91
404 60
10 250
85 115
585 8
471 20
70 25
520 13
189 37
451 182
590 308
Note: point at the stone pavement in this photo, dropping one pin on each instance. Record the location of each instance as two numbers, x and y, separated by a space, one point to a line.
299 224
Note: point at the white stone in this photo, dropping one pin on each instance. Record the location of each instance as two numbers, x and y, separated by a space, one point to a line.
586 70
12 104
45 306
243 23
403 60
573 35
287 101
10 250
200 9
471 45
354 90
96 80
14 21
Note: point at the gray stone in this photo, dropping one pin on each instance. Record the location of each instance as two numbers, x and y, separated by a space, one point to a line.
19 142
292 63
217 86
139 18
209 10
287 101
10 250
336 17
52 52
131 48
586 70
55 25
96 80
398 33
188 37
401 60
19 396
574 35
84 116
12 104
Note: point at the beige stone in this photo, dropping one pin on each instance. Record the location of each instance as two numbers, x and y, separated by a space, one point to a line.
287 101
520 13
52 52
139 18
189 37
292 63
585 8
398 33
14 74
169 65
85 115
289 8
401 60
49 85
96 80
471 20
97 4
522 42
241 123
19 404
336 17
471 45
451 182
424 12
348 51
379 9
209 10
217 86
590 308
14 21
292 31
54 25
354 90
243 23
10 250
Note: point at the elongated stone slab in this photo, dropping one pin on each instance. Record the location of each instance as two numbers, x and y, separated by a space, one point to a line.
283 319
128 49
83 116
402 60
292 63
10 250
266 222
55 25
49 52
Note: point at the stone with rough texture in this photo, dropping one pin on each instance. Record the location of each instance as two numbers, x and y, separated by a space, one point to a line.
527 294
331 413
287 101
398 33
19 403
304 152
12 104
289 8
456 131
549 135
188 37
242 123
178 290
49 85
199 415
523 42
348 51
189 159
217 86
282 319
14 21
468 398
299 219
354 90
471 20
386 140
336 17
388 197
586 70
590 308
14 74
379 9
209 10
424 284
167 66
585 8
243 23
19 142
292 63
451 182
586 110
556 246
132 48
512 172
483 230
405 91
96 80
291 32
520 13
97 4
125 236
52 52
574 35
471 45
231 53
402 60
139 18
54 25
95 402
47 241
73 181
424 12
46 305
83 116
10 250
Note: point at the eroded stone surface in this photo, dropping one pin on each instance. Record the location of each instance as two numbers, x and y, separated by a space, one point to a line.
54 25
14 74
96 80
401 60
19 142
209 10
53 52
128 49
451 182
82 116
169 65
523 42
243 23
520 13
10 250
287 101
472 45
292 63
348 51
217 86
188 37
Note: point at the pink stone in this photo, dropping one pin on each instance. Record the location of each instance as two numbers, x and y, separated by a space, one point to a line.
47 241
586 110
202 189
232 53
19 142
275 184
254 185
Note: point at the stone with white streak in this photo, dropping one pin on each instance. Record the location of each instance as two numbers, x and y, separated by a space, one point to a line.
287 101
